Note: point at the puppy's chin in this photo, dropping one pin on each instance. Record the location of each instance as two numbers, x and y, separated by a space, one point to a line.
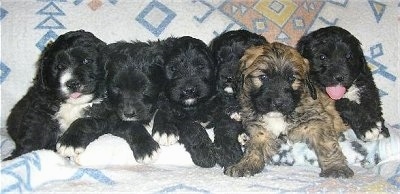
228 90
79 99
124 118
190 101
274 114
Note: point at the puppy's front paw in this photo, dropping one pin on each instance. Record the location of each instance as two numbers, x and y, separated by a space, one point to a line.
69 151
165 139
243 170
149 158
146 152
342 171
71 144
376 133
243 138
203 156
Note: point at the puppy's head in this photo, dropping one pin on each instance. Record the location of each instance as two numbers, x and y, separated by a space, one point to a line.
227 49
70 67
336 59
190 72
130 89
127 93
273 78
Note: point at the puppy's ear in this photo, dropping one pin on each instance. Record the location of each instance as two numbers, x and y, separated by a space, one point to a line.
364 65
311 88
42 64
308 81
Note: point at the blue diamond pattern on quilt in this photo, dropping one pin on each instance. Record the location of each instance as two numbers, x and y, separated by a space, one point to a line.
4 72
378 8
50 35
50 9
155 17
3 13
376 50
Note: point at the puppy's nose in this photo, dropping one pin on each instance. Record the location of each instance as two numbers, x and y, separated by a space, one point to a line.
130 114
278 103
189 91
229 79
338 78
73 84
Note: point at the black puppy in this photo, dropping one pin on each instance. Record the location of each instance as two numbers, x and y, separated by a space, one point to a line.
133 84
338 66
68 80
227 49
187 99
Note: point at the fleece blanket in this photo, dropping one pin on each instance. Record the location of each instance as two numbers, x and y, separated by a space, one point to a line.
108 165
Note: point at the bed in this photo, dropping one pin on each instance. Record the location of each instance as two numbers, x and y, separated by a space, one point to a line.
27 25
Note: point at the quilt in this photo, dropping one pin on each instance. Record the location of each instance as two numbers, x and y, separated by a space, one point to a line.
28 25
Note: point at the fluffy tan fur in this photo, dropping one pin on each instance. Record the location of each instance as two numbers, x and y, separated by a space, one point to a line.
314 121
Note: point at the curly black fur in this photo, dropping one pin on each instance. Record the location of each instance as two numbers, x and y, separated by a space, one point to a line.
134 80
336 57
34 122
187 99
227 49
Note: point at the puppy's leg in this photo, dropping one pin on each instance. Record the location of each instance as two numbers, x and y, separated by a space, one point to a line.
324 140
196 141
81 132
362 121
260 148
228 149
164 130
143 146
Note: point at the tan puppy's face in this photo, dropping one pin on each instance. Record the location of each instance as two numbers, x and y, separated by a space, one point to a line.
273 77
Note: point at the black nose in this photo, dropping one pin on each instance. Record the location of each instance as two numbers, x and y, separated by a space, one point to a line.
278 102
189 91
229 79
130 115
338 78
73 84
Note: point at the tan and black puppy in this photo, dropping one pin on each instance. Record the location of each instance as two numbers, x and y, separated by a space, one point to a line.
278 101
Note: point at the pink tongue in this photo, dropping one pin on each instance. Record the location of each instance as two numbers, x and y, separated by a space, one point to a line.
336 92
75 95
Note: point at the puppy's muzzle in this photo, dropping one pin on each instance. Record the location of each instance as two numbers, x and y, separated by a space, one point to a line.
73 85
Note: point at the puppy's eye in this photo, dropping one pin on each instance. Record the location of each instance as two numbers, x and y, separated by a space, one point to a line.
322 57
291 78
115 90
87 61
263 77
61 66
349 56
172 68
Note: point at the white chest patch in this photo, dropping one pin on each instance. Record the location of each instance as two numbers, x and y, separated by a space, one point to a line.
275 122
353 94
228 90
69 112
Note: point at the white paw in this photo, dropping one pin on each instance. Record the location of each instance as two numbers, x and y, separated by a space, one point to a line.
149 158
69 151
236 116
374 133
165 139
243 139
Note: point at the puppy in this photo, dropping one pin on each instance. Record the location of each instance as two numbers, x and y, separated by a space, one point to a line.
68 80
186 100
339 68
227 49
279 102
132 89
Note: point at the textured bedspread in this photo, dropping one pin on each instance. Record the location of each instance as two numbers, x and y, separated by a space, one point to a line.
27 25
